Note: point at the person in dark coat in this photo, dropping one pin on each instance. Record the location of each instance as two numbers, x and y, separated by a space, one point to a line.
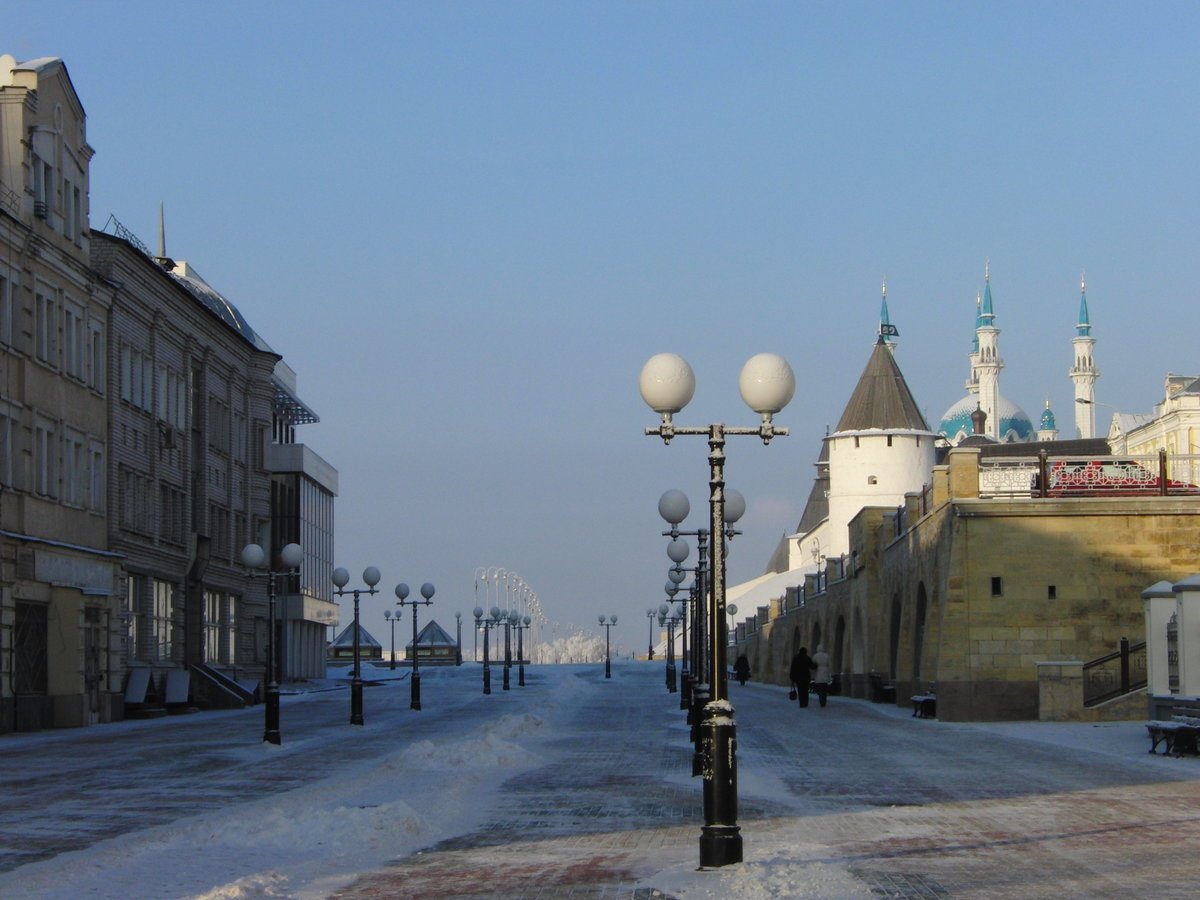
741 669
801 674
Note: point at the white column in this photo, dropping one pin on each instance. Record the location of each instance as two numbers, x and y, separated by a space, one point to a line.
1159 601
1188 592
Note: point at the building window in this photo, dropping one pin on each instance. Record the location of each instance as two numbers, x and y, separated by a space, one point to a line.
171 508
134 488
134 586
7 428
1051 592
6 305
212 626
45 338
997 586
45 460
160 619
231 626
95 362
73 341
96 477
74 469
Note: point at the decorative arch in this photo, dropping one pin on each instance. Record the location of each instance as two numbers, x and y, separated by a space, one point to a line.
816 637
919 629
858 647
895 637
839 645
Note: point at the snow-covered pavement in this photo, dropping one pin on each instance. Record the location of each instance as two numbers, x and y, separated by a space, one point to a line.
580 786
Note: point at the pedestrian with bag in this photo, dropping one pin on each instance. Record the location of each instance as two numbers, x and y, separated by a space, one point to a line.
801 674
821 676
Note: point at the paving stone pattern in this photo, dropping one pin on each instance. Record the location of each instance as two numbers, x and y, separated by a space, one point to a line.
911 808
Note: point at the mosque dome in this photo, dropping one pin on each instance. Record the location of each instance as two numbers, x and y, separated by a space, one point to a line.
1048 418
1015 425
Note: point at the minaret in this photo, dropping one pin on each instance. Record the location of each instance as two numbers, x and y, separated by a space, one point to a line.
887 331
989 363
1084 373
1048 430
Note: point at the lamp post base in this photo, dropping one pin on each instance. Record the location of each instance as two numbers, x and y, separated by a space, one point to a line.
416 691
720 838
720 845
356 704
271 732
671 688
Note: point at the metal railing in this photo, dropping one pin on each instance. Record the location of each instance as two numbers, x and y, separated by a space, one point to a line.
1115 674
1062 477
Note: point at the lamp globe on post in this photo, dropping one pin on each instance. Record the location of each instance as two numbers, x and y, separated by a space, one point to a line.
667 384
387 614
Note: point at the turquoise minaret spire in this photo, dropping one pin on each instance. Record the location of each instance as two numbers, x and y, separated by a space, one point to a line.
985 311
887 331
1083 327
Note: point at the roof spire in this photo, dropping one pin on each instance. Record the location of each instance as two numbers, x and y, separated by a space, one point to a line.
1083 327
887 331
985 314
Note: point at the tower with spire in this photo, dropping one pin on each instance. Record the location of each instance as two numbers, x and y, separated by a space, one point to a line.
1084 372
989 363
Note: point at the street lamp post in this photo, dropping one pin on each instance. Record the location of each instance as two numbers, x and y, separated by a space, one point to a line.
254 557
341 578
607 656
664 619
486 625
650 614
387 614
767 384
458 638
427 591
521 623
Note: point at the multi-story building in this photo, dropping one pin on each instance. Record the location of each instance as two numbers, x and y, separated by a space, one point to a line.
60 586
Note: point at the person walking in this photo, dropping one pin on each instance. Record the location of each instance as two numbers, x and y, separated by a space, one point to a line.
801 674
741 669
821 675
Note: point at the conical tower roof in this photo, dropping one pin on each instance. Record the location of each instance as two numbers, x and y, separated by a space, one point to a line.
881 399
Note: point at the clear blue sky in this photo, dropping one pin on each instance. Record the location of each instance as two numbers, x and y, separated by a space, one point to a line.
467 225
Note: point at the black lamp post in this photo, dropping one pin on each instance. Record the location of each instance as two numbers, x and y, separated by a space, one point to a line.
254 558
402 595
458 639
767 384
521 623
651 614
341 578
486 625
669 622
387 614
607 626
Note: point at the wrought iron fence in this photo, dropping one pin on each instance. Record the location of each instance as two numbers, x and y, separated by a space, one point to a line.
1063 477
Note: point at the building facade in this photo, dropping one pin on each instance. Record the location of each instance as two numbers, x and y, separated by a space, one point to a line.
60 613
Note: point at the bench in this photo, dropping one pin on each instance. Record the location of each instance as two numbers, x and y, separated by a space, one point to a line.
925 705
1179 736
881 691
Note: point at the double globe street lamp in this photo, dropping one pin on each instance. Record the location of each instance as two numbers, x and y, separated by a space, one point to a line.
254 558
341 578
607 626
767 384
427 591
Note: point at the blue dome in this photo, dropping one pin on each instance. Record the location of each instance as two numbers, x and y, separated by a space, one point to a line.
1048 419
1015 425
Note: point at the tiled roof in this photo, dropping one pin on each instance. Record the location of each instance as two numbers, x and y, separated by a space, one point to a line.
881 399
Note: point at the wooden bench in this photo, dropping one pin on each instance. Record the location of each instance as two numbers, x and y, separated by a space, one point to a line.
1180 736
925 705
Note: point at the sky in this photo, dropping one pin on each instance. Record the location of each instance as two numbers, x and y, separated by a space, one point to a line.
467 225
